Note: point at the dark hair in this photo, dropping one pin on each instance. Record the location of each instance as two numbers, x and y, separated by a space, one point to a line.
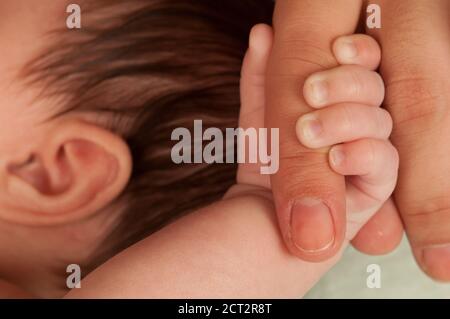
153 66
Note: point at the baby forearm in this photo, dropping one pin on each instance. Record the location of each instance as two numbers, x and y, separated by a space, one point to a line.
230 249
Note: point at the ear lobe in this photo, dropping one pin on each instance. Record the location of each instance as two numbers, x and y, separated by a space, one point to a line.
78 170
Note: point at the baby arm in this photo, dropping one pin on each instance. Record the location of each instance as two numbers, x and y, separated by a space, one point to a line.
233 247
229 249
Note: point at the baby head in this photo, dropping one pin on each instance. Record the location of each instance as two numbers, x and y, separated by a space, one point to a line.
86 119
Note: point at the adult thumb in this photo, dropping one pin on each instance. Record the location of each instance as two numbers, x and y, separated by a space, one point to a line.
309 196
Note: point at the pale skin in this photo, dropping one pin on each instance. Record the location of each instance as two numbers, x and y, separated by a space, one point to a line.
48 216
212 253
33 245
418 98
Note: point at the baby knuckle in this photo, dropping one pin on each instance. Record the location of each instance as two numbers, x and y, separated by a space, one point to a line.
356 84
372 152
381 86
391 160
395 156
348 119
383 122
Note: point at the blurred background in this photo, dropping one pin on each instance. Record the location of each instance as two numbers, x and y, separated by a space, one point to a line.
400 277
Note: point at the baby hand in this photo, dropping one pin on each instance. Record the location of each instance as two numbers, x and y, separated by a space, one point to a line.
348 117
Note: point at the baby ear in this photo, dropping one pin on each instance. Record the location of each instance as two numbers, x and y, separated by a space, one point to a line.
76 169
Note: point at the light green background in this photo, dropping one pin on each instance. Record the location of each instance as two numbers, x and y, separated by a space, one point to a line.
400 278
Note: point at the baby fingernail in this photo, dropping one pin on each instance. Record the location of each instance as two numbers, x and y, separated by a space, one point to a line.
346 50
318 91
337 156
312 226
309 128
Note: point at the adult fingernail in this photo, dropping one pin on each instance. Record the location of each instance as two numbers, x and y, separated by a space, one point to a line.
309 128
346 50
317 91
312 226
337 156
437 262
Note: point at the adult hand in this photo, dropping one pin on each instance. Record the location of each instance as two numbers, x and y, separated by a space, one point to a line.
416 70
415 41
304 33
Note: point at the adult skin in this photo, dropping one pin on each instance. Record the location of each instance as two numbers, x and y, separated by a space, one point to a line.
416 70
415 38
304 31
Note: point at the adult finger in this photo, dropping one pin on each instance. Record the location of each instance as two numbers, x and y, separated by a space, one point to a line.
309 196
